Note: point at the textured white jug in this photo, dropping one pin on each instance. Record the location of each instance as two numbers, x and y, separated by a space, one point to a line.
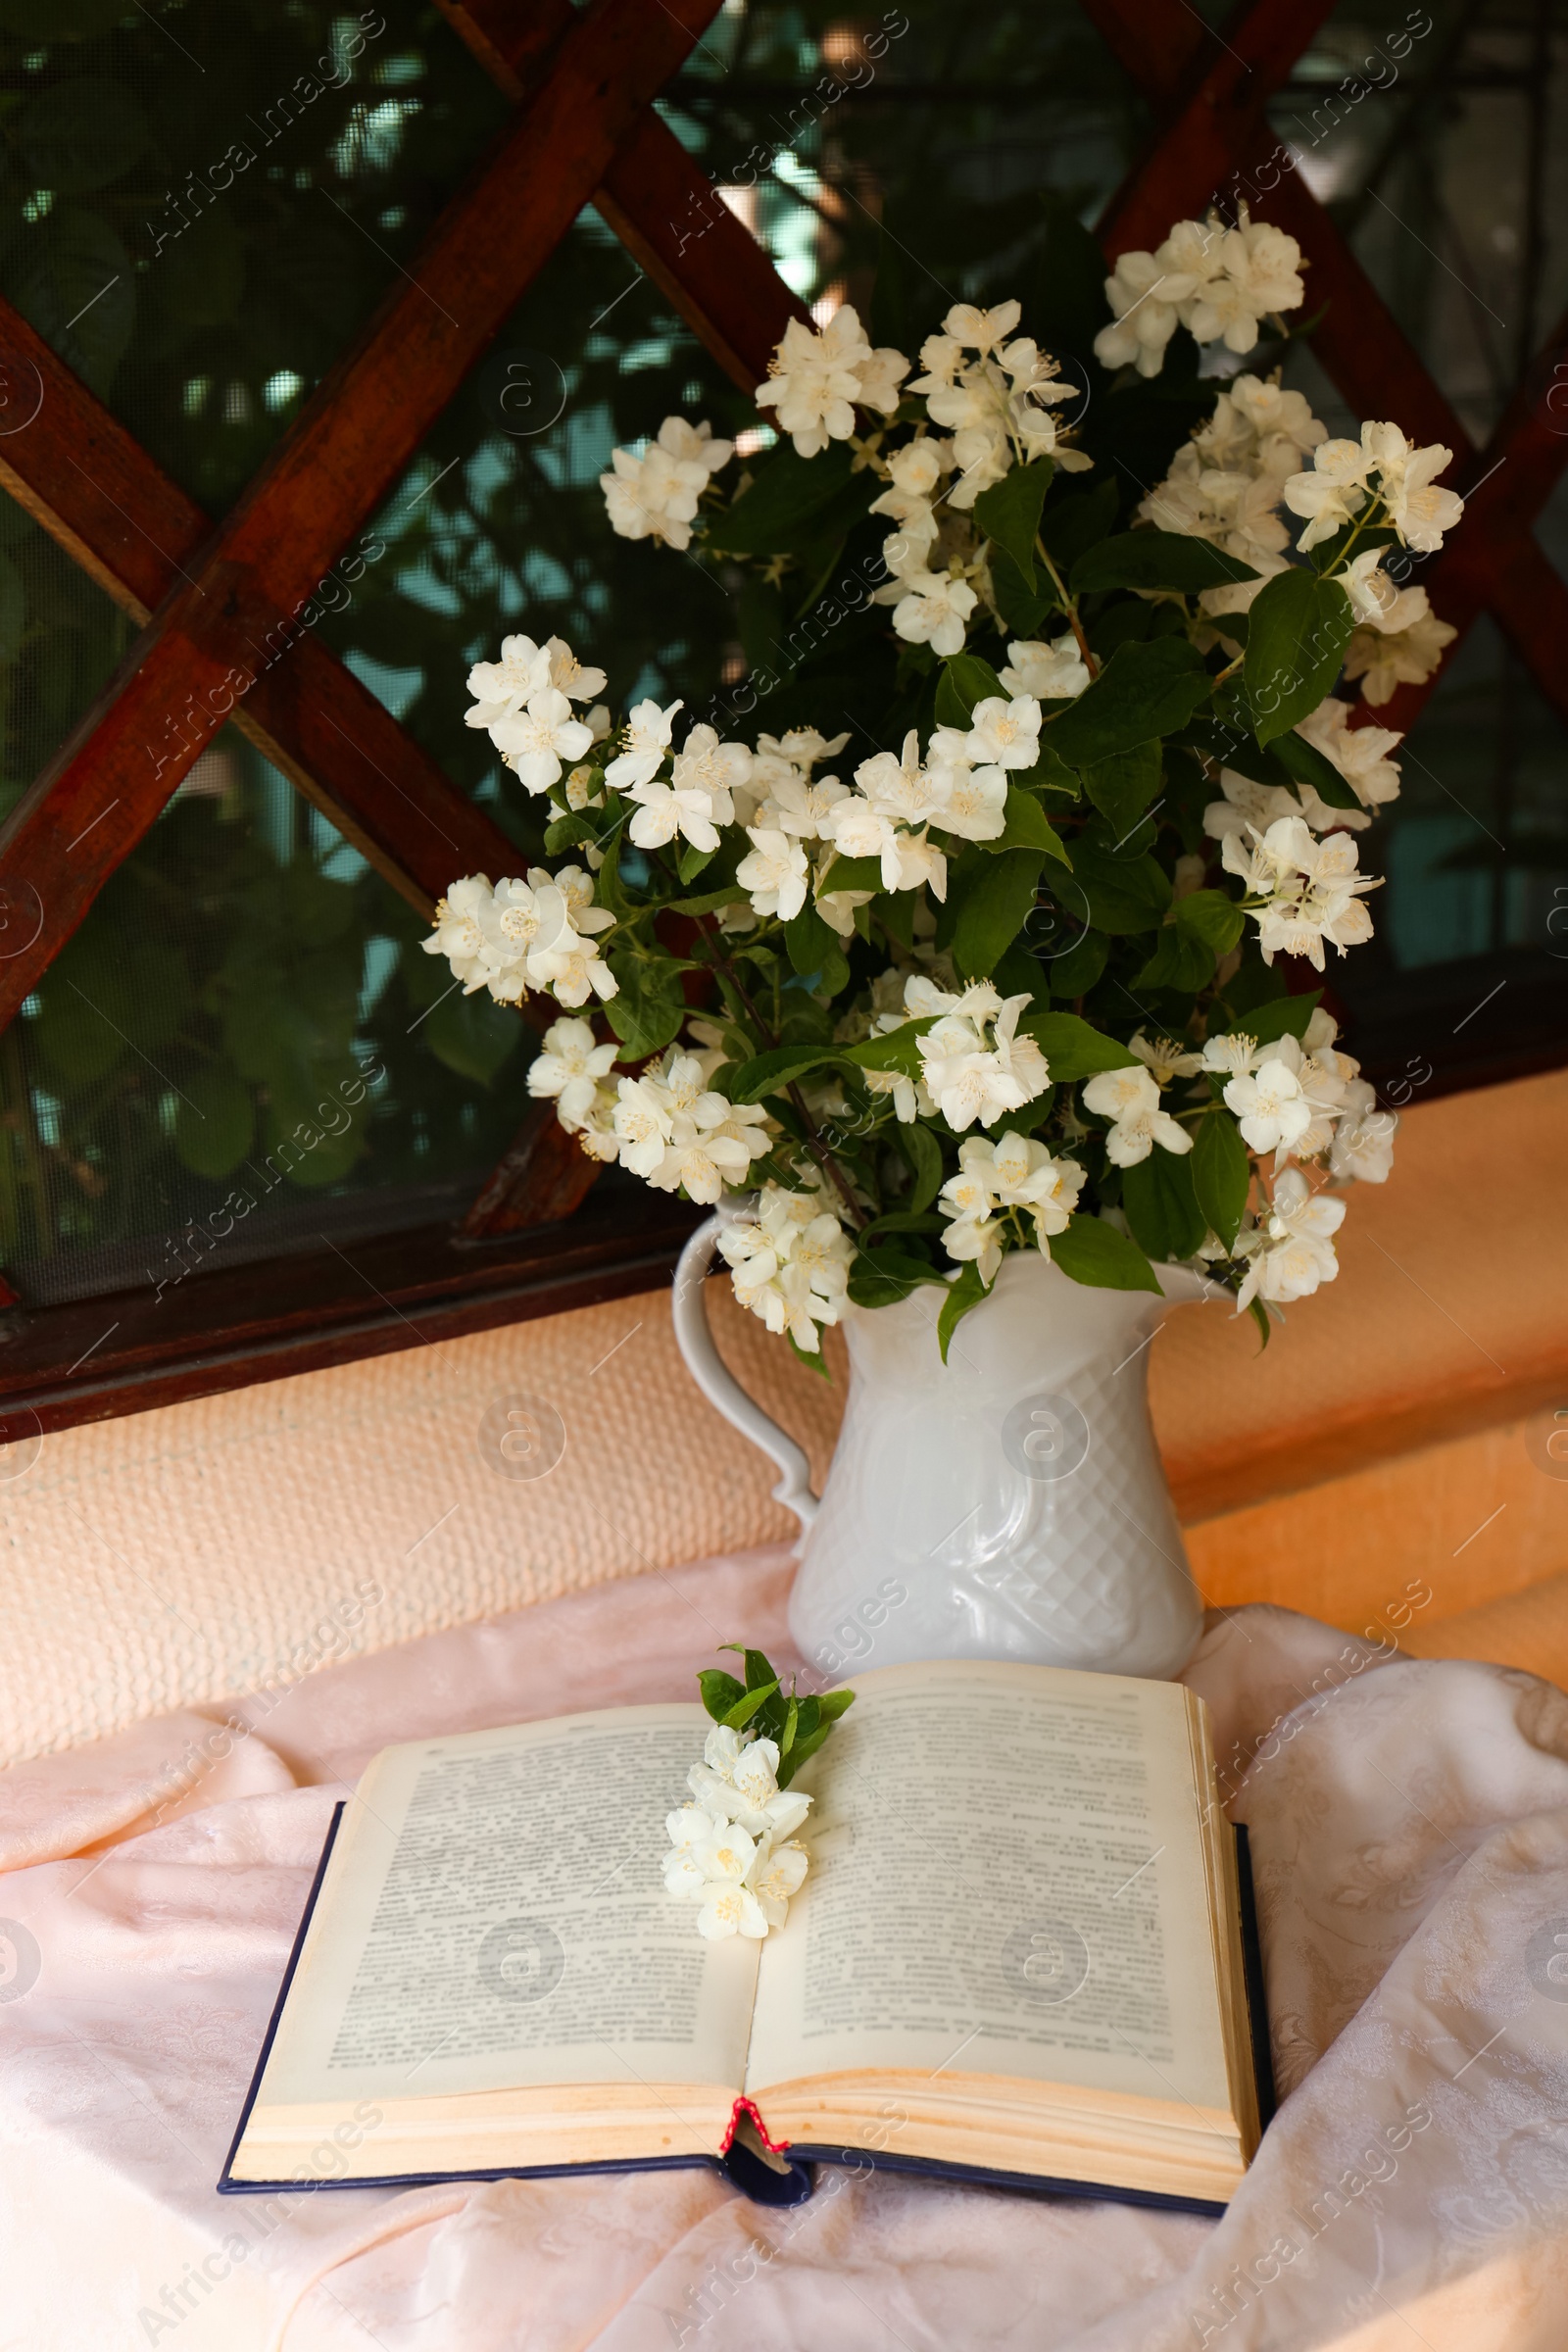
1009 1503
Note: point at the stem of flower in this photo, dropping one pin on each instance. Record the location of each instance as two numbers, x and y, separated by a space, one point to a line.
813 1141
1069 606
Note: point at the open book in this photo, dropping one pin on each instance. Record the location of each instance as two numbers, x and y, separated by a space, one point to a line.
1017 1954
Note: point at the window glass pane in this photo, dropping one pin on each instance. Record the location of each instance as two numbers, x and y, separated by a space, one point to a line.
241 1050
205 202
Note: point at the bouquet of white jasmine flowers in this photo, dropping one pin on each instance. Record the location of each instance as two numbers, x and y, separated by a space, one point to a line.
734 1852
1017 957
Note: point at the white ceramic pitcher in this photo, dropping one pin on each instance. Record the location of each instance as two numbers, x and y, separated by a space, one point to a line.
1009 1503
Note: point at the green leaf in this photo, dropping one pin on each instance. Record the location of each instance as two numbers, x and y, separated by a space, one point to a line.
815 952
1304 764
1155 560
924 1154
1029 828
1142 691
1222 1171
81 133
1009 511
850 873
1122 893
964 681
693 861
1093 1252
214 1121
1181 961
801 1753
1022 612
835 1703
995 910
771 1073
1161 1206
472 1035
791 501
899 1049
1123 787
792 1724
1050 774
73 279
1300 626
1212 915
1074 1048
648 1013
747 1705
720 1691
1260 1316
1075 523
1074 973
965 1295
1283 1017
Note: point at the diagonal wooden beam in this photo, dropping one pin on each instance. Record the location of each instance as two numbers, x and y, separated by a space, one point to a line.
656 198
1195 149
95 490
210 639
1357 340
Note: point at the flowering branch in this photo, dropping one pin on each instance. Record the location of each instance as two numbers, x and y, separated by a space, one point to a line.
1147 809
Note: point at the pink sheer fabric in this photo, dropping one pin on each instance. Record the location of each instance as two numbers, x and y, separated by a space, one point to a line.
1409 1825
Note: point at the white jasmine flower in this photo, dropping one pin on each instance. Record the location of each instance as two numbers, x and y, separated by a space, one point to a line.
1006 734
536 740
1144 295
814 381
1401 641
458 933
1360 754
880 373
976 1241
1165 1059
775 873
1249 806
1332 494
1048 674
972 802
775 1877
1363 1140
967 1079
1291 1250
981 330
1310 890
656 495
569 676
1254 272
1238 1053
899 789
1130 1099
917 468
647 740
800 808
503 687
1269 1107
568 1069
645 1121
789 1263
934 612
1418 511
704 764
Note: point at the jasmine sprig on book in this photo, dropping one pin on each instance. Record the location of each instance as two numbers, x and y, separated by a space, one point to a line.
735 1853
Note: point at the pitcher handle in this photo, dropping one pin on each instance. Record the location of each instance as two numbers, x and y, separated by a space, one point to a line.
720 1385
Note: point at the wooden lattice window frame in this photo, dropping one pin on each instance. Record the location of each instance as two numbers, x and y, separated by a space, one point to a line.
584 130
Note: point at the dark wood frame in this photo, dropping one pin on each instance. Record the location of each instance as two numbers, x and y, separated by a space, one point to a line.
585 131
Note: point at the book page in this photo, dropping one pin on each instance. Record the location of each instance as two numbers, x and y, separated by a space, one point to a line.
493 1915
1006 1879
